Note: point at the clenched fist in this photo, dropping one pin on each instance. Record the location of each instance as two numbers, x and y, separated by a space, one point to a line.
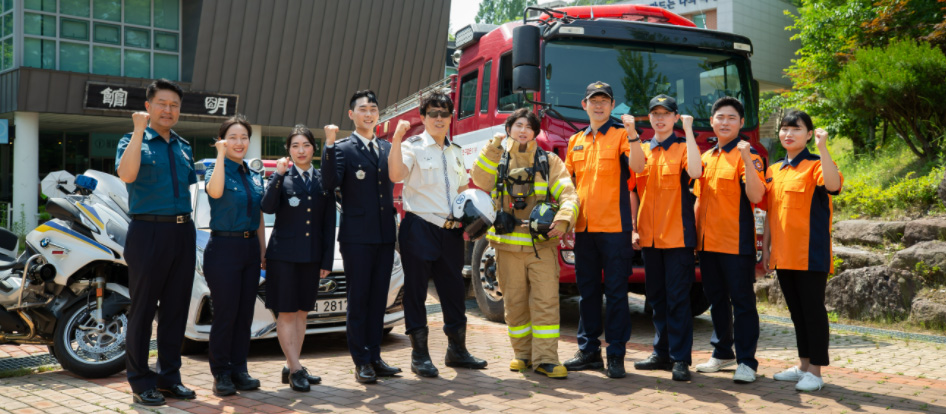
221 146
282 165
141 121
630 126
687 121
402 127
744 149
821 138
498 139
330 132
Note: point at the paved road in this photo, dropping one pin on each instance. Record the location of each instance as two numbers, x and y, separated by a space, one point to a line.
868 374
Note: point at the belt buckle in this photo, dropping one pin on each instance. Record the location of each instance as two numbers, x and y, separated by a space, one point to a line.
246 234
181 219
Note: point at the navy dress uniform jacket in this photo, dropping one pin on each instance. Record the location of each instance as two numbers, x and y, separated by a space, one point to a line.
367 205
304 232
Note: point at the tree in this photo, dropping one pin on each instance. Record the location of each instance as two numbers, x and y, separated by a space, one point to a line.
902 84
501 11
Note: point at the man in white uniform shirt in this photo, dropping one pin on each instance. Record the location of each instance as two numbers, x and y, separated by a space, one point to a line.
433 173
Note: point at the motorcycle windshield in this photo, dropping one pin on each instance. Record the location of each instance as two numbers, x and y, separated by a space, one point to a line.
110 189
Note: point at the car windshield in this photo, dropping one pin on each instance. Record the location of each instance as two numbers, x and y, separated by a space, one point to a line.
695 78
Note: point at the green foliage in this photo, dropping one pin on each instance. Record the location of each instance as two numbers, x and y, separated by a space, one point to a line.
501 11
928 273
902 84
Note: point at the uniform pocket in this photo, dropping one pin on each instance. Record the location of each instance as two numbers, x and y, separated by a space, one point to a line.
670 176
578 163
431 170
794 193
151 166
607 161
726 182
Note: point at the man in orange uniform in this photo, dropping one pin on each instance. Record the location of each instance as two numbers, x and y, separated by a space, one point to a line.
725 238
668 234
600 159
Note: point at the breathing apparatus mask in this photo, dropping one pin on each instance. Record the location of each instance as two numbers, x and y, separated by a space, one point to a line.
520 184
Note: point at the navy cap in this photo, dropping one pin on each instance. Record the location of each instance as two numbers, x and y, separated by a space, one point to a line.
664 101
598 88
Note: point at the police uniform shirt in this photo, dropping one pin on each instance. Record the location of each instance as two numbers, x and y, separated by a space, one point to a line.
435 175
164 177
238 208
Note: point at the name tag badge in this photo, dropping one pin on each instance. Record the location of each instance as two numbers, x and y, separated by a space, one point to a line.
360 174
578 147
294 201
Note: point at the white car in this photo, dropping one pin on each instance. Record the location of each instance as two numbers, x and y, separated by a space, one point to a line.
331 302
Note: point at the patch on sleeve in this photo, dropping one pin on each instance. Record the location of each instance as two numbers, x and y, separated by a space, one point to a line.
768 180
758 164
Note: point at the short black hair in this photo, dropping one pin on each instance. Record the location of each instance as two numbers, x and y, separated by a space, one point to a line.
366 93
793 116
729 101
164 84
237 119
436 99
526 113
299 130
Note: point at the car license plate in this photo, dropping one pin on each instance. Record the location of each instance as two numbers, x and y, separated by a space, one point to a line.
331 306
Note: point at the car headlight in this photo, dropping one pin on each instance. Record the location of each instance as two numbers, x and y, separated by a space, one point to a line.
200 261
568 256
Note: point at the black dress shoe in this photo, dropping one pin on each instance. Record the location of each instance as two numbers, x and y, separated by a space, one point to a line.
299 381
382 369
244 382
178 391
149 397
681 371
223 385
313 379
365 374
653 362
585 360
616 366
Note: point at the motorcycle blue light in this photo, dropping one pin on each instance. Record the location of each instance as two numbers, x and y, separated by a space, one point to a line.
86 182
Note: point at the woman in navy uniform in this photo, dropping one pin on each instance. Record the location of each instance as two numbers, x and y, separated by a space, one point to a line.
232 259
301 248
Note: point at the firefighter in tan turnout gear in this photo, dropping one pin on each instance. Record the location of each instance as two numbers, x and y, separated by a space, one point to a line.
525 182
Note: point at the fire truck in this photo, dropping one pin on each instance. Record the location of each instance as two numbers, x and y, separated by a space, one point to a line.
546 60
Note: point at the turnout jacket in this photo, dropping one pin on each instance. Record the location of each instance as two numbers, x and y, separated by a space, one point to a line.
559 183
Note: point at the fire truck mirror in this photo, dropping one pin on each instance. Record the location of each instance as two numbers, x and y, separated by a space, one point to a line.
526 79
525 46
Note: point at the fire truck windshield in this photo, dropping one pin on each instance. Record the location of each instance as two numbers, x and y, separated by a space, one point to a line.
696 78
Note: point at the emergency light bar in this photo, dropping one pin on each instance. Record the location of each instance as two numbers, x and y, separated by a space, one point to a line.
472 33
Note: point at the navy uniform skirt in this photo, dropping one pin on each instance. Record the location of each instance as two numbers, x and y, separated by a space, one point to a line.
291 287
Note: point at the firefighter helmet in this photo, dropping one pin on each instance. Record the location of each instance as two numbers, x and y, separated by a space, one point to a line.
541 219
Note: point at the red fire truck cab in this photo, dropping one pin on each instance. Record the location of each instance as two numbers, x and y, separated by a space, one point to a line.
545 63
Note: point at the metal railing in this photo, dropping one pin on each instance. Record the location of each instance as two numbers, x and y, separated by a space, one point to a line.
412 101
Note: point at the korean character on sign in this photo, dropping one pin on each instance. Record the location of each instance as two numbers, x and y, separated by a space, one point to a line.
670 4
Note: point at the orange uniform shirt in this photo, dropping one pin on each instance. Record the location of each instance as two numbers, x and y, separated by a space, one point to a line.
725 222
799 214
599 165
665 218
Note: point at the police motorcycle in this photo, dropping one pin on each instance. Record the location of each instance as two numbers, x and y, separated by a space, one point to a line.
68 289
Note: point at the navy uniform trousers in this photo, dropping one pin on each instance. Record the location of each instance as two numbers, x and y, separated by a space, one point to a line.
232 270
368 273
610 253
161 259
669 276
727 283
432 252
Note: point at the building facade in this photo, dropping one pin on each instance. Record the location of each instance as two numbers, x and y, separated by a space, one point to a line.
73 71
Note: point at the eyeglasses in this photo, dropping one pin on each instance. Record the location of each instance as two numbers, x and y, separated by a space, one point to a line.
439 114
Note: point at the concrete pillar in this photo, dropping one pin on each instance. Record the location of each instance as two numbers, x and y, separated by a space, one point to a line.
25 171
256 143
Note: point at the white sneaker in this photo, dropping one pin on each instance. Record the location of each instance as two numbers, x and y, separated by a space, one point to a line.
792 374
744 374
714 365
809 382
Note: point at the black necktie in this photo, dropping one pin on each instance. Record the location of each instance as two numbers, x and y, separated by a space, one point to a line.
308 182
371 150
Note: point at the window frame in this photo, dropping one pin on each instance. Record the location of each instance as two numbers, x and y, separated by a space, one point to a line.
473 75
484 86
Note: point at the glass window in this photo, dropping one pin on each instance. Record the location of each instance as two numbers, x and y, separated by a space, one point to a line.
43 5
137 64
166 14
107 10
165 41
8 24
468 94
137 38
138 12
74 7
484 93
39 53
7 5
74 29
74 57
509 100
7 54
106 60
38 24
165 66
108 33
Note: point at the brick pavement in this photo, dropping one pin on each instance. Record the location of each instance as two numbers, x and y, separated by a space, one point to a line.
868 374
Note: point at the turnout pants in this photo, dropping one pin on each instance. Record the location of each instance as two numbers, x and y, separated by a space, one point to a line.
669 276
530 294
431 252
727 283
161 259
610 253
232 270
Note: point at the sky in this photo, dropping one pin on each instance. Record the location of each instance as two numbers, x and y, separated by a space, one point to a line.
462 13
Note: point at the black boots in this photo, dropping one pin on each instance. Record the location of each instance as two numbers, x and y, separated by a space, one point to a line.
420 355
457 355
223 385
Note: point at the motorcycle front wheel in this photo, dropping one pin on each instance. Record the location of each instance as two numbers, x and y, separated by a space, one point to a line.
89 349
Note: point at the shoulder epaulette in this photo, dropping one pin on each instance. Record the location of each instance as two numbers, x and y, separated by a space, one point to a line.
346 139
454 144
414 139
183 140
